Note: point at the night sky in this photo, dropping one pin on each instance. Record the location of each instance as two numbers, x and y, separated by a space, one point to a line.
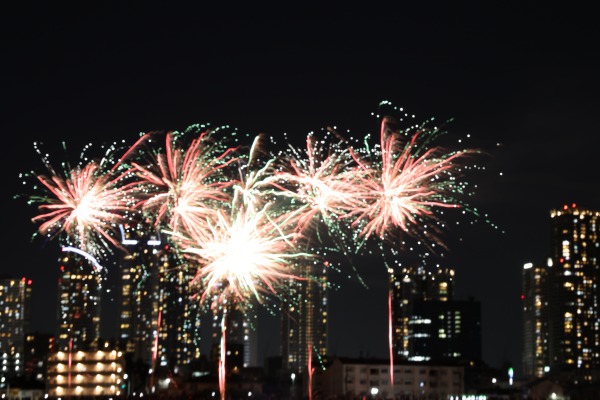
521 79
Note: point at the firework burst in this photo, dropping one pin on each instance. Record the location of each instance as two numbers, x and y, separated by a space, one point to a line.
244 255
404 186
249 247
182 185
84 205
322 181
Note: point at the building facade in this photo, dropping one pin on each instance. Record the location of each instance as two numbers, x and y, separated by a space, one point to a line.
304 321
562 302
427 323
37 348
535 298
159 321
15 311
370 378
240 338
445 330
79 303
90 374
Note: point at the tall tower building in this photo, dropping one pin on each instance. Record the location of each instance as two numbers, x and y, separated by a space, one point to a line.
574 307
561 300
535 297
79 290
159 322
240 338
428 324
15 306
38 346
304 322
409 286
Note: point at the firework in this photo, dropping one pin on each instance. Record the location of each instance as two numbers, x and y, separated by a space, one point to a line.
402 189
250 246
322 181
85 205
183 184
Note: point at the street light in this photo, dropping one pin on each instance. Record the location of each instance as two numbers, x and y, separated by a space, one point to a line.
293 376
374 391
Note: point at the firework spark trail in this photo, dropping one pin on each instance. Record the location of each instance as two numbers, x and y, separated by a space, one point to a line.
244 249
184 183
255 187
311 370
324 180
244 255
86 203
390 338
223 355
406 185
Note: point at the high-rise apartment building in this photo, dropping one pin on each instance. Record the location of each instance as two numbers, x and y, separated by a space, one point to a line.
535 297
427 323
37 348
304 321
79 292
240 338
562 306
159 321
15 308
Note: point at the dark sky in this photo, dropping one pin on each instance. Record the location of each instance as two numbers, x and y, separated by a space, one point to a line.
514 73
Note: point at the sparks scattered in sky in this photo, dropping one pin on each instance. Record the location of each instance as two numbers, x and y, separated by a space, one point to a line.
215 195
84 205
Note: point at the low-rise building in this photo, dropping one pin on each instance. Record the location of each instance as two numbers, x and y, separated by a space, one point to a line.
371 377
86 373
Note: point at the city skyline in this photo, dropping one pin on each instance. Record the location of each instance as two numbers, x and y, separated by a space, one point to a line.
529 86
